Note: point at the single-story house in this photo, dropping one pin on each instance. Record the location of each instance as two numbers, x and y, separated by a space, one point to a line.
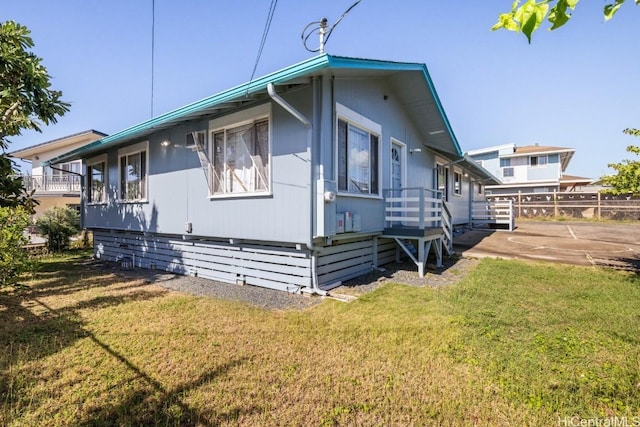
297 180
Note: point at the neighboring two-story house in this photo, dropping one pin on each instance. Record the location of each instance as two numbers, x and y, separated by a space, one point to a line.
58 184
528 169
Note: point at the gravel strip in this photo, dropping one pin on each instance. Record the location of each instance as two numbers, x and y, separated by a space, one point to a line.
404 273
257 296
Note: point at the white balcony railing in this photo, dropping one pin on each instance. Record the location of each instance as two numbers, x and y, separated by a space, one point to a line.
43 183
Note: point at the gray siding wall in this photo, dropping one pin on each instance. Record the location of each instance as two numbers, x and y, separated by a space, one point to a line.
367 97
178 192
460 202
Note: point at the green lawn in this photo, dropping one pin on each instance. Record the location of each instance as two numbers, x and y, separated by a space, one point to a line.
512 343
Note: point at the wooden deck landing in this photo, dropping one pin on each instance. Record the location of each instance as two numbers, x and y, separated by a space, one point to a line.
406 232
425 238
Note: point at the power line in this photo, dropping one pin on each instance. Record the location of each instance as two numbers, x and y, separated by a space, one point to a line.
267 26
330 30
321 27
153 42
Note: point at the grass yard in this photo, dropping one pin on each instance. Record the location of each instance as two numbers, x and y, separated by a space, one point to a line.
512 344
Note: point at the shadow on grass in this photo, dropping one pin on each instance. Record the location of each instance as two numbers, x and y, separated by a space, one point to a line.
66 276
30 329
154 404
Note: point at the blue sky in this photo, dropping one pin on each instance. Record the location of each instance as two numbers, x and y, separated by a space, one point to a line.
575 87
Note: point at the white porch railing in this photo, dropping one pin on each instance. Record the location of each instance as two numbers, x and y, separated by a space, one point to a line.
416 214
413 207
447 227
493 212
43 183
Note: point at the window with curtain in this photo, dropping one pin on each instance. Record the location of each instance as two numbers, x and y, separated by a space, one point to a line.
96 182
240 159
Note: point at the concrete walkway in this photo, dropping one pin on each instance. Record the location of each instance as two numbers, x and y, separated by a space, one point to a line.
615 245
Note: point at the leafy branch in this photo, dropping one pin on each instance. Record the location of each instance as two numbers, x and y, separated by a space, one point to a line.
627 177
528 17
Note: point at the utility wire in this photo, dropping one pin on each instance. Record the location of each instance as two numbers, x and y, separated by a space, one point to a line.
305 35
153 42
330 30
267 26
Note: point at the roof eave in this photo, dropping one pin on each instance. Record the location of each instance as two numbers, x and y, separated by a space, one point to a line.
304 68
174 116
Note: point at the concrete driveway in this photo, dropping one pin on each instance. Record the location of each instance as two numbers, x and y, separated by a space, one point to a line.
614 245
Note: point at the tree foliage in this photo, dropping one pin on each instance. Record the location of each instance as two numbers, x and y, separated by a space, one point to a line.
14 259
528 16
12 192
26 99
626 180
58 224
26 102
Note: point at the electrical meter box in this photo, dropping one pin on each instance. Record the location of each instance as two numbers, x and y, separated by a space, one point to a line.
357 222
348 222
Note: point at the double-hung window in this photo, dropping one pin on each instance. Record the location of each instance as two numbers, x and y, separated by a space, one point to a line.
240 158
97 180
133 173
507 169
357 153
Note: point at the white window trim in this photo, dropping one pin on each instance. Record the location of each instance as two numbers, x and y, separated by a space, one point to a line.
461 174
357 119
237 119
126 151
442 163
94 161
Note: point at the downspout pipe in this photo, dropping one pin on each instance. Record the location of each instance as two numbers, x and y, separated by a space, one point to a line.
271 90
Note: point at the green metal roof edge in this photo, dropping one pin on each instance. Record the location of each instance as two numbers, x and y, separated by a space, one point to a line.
370 64
436 98
283 75
251 87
